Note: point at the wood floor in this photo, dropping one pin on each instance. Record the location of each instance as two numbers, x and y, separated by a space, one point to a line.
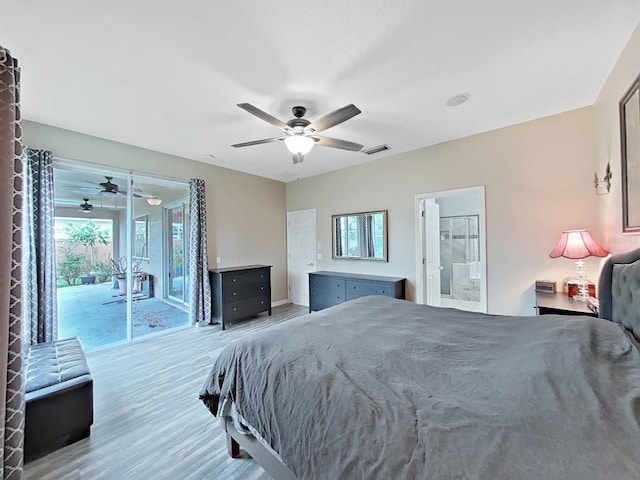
149 422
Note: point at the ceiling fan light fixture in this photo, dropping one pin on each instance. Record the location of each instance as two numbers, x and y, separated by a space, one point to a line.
299 143
154 201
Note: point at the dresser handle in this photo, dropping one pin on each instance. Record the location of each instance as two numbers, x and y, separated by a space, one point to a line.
233 280
235 308
234 294
261 288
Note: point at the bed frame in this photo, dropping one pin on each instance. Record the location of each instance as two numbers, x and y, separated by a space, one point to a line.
265 458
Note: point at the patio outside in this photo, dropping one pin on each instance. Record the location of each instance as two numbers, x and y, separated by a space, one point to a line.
92 299
96 313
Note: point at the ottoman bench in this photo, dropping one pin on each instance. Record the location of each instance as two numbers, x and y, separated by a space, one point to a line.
58 396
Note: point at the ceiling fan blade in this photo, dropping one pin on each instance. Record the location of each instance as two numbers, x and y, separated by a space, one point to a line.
265 116
332 119
335 143
124 194
77 187
257 142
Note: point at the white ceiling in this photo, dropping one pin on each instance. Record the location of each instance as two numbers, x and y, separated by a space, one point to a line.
167 75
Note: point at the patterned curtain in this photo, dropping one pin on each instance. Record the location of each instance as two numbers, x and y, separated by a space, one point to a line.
41 319
366 236
12 388
338 236
199 287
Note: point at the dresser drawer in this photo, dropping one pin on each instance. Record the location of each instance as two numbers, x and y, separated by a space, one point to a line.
244 289
245 278
359 288
330 285
327 297
323 302
245 308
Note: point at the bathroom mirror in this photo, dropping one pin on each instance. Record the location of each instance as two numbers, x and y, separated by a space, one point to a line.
360 236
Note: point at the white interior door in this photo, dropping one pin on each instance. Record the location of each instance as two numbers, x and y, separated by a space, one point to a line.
301 254
432 253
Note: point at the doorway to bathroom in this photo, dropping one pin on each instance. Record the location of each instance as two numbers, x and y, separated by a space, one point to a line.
460 257
451 249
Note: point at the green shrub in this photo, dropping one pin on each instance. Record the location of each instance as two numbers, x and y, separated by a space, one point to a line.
71 267
102 271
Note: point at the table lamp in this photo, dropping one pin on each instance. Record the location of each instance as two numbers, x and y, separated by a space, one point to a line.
578 244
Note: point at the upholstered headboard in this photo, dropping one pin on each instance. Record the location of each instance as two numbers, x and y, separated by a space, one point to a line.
619 290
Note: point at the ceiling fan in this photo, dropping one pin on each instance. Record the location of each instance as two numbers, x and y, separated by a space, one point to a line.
107 187
301 134
114 189
86 207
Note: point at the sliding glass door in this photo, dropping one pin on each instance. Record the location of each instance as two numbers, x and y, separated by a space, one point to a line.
111 231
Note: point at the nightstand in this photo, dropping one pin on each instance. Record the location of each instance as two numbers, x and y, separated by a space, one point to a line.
561 304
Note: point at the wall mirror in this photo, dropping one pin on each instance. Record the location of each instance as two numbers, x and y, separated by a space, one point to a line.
142 237
630 150
360 236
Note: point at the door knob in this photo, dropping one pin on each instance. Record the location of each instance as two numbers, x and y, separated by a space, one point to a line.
310 264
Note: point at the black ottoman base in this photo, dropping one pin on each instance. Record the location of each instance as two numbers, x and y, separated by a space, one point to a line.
59 411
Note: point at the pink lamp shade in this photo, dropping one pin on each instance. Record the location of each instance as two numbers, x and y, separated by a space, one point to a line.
577 244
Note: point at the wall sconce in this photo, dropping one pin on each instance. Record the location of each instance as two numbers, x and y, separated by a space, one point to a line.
603 186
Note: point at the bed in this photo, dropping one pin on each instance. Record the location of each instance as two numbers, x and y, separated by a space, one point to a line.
380 388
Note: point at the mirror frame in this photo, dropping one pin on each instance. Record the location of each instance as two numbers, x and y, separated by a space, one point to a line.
385 239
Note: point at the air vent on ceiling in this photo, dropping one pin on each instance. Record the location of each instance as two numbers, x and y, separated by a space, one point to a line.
376 149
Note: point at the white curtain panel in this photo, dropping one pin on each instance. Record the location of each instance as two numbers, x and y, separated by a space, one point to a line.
12 386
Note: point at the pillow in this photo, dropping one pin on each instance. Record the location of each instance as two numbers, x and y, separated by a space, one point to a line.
625 296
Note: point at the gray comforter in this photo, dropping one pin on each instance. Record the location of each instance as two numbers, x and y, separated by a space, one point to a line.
378 388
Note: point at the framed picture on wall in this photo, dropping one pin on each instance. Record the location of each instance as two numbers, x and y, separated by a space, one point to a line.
630 150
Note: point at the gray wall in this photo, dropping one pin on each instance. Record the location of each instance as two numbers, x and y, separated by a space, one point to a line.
609 207
538 178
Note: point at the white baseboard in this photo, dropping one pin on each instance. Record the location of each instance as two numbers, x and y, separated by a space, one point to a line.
280 302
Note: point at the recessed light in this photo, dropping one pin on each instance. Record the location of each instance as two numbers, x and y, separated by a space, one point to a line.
458 99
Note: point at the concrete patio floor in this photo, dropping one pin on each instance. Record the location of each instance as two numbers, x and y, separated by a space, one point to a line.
97 315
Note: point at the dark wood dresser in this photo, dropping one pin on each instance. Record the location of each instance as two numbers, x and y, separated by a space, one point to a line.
240 292
327 289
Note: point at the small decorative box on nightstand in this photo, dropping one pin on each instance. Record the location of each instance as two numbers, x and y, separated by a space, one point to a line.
546 286
573 288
